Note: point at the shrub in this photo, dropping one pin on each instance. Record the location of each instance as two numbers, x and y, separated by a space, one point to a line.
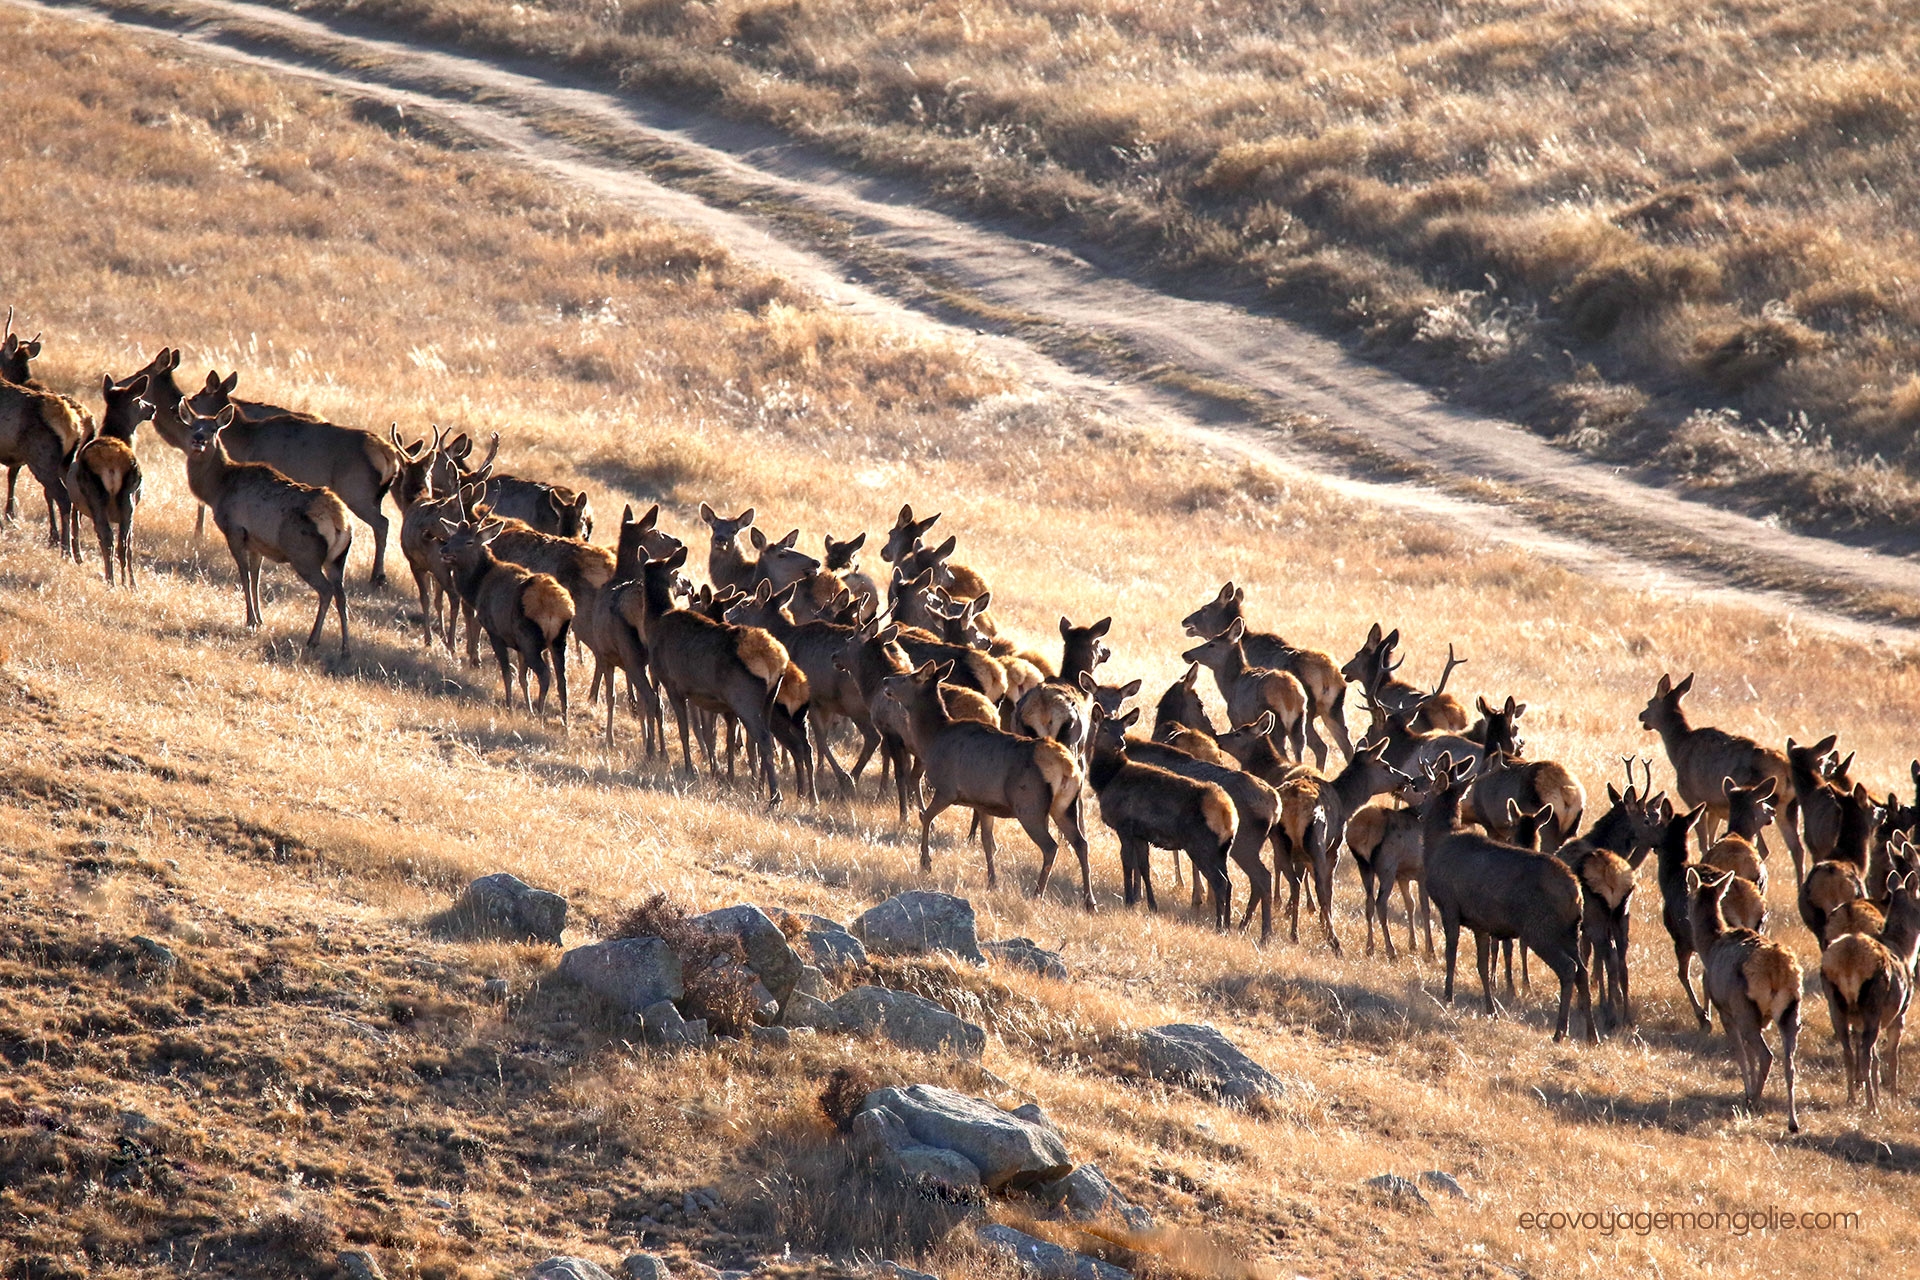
719 983
844 1091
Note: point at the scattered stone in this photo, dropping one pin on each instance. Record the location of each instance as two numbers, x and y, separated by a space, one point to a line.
498 989
508 906
802 1011
1025 953
1200 1057
768 954
772 1037
894 1271
1391 1186
910 1021
1085 1195
666 1026
360 1265
813 982
701 1271
1008 1150
1048 1261
835 948
646 1266
632 973
156 955
881 1137
1440 1180
568 1269
919 921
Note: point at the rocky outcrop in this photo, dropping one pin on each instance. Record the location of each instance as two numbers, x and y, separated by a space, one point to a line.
1198 1056
1004 1149
919 922
910 1021
505 906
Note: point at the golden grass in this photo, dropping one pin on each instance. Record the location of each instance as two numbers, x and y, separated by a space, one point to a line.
1630 181
418 284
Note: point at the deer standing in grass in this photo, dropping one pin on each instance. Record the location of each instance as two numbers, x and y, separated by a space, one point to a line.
357 466
1869 982
1060 708
265 516
1705 759
1313 823
1752 981
39 430
1372 668
1606 861
526 615
996 774
904 550
104 478
1318 674
1149 805
1249 690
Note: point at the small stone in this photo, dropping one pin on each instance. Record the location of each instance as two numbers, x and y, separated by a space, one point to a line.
1203 1059
1025 953
768 953
360 1265
1440 1180
504 905
156 955
646 1266
688 1205
665 1025
894 1271
920 921
772 1037
813 982
1391 1186
1085 1195
565 1268
497 989
1045 1260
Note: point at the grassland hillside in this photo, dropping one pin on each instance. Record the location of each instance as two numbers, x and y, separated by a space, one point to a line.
1667 235
321 1068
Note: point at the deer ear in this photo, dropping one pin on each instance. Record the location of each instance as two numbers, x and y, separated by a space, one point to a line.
224 418
173 358
1727 788
1664 688
652 518
232 381
1066 628
213 379
678 558
1128 720
981 603
945 670
763 592
706 513
1373 635
626 517
1484 707
1086 682
1392 640
1693 880
1130 688
758 539
1766 789
106 385
1101 627
1264 724
945 549
1237 630
1684 685
1613 794
1514 813
1193 674
788 543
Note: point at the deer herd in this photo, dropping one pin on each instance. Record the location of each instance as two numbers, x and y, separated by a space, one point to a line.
782 655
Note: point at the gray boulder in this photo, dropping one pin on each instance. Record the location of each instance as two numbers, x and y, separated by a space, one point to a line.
1025 953
1200 1057
1048 1261
813 982
894 1271
910 1021
666 1026
833 947
768 954
361 1265
772 1037
1008 1150
564 1268
919 921
882 1138
632 973
1085 1195
507 906
1398 1190
802 1010
646 1266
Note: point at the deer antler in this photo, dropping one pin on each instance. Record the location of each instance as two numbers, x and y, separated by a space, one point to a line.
9 331
493 450
1452 662
1646 768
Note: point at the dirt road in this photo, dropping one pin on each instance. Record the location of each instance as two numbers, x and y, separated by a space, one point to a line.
798 213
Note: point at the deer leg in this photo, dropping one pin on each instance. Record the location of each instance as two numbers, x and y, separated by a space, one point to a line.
1617 959
324 589
1789 1038
1526 979
13 505
681 713
378 519
1426 920
1049 850
1315 742
559 651
1450 935
1199 890
1484 948
199 521
1323 860
936 805
1790 832
103 530
1683 959
126 548
1505 947
1069 819
762 733
989 846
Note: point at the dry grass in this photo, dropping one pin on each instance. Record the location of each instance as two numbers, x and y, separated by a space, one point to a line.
1636 185
290 827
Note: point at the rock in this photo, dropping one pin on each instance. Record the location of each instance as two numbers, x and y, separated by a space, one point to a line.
1048 1261
632 973
766 1008
666 1026
803 1011
1085 1195
1199 1056
910 1021
508 906
1442 1181
360 1265
646 1266
1392 1186
156 955
772 1037
568 1269
1009 1151
813 982
894 1271
833 947
881 1137
768 954
498 989
919 921
1032 1114
1025 953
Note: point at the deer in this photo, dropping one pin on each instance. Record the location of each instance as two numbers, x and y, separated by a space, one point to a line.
1870 984
1606 861
1249 690
1704 759
1314 810
1372 667
1749 810
104 478
903 549
554 509
1148 804
1255 806
869 656
1500 891
1751 980
1411 751
995 773
43 440
525 614
1061 707
1386 843
1815 803
713 665
1317 673
435 500
1834 882
357 466
1528 785
637 541
840 561
265 516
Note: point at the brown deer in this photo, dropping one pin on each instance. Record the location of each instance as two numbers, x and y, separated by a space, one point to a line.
1255 806
1606 861
1815 803
842 563
1749 810
1386 843
525 614
1249 690
1147 805
265 516
903 549
1500 891
1061 707
432 499
1317 673
871 655
1752 981
1313 823
995 773
357 466
104 477
637 541
1868 975
1704 759
779 564
1372 667
46 445
1529 785
712 665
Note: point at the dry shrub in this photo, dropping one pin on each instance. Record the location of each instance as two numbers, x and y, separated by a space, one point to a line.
719 983
1738 357
1634 285
844 1091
